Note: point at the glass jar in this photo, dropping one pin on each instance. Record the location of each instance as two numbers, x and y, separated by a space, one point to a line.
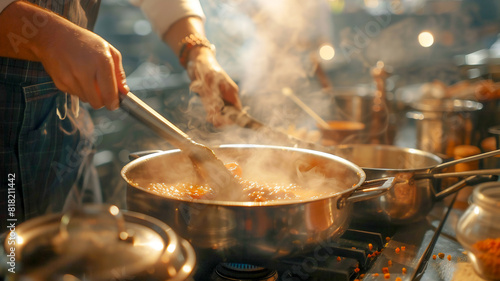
478 230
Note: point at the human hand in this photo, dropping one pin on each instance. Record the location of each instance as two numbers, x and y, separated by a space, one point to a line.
212 83
82 63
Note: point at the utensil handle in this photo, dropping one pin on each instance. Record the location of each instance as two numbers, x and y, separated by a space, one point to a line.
289 93
424 259
244 120
466 159
241 118
155 121
208 166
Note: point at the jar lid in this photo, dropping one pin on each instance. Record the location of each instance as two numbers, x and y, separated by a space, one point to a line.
487 195
96 241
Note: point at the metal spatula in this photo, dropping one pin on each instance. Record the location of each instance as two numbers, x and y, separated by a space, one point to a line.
208 166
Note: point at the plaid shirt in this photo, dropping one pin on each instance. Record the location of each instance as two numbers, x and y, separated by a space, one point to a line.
46 149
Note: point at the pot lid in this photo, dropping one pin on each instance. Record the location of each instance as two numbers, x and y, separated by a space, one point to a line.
99 242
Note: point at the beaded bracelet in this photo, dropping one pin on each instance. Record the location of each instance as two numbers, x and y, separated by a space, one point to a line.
188 43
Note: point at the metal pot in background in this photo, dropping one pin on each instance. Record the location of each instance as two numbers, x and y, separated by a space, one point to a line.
96 242
442 124
357 105
415 171
247 231
339 132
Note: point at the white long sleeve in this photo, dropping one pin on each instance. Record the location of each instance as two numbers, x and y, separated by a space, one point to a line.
163 13
4 4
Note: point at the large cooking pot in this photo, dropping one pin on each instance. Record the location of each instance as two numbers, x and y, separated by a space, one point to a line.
415 172
254 232
442 124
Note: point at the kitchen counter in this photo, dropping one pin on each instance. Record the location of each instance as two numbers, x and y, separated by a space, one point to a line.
416 238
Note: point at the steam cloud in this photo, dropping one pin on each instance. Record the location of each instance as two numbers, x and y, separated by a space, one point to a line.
267 46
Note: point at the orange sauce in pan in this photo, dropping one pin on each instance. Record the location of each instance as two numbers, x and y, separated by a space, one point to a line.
252 190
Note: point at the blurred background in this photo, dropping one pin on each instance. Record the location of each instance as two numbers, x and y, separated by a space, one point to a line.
308 46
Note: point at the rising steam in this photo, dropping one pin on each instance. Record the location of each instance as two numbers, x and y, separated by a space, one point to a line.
267 46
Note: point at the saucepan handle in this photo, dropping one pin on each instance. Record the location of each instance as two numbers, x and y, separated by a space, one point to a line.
458 174
139 154
371 189
472 180
466 159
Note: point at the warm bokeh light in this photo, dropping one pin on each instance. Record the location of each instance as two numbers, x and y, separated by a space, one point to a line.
371 3
171 248
123 235
426 39
187 268
326 52
114 210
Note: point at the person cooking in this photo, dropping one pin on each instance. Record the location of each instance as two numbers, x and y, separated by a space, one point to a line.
50 61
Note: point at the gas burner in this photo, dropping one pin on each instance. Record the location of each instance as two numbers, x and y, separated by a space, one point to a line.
243 272
342 260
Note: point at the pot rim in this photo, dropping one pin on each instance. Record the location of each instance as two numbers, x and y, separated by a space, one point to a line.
396 148
345 193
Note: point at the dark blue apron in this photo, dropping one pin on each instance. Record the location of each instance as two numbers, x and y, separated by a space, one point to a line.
47 135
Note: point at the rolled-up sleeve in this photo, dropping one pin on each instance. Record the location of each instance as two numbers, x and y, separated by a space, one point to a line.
163 13
4 4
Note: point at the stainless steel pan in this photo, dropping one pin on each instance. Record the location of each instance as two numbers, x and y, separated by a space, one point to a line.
415 171
256 232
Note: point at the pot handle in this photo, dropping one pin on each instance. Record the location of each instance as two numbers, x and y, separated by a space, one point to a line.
139 154
466 159
368 190
458 174
472 180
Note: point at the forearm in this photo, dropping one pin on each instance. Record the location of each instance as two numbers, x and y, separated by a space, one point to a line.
182 28
24 30
79 62
195 53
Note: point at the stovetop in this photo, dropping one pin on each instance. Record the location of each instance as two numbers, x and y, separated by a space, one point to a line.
370 252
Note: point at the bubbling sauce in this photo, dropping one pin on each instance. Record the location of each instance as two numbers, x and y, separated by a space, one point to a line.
252 190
